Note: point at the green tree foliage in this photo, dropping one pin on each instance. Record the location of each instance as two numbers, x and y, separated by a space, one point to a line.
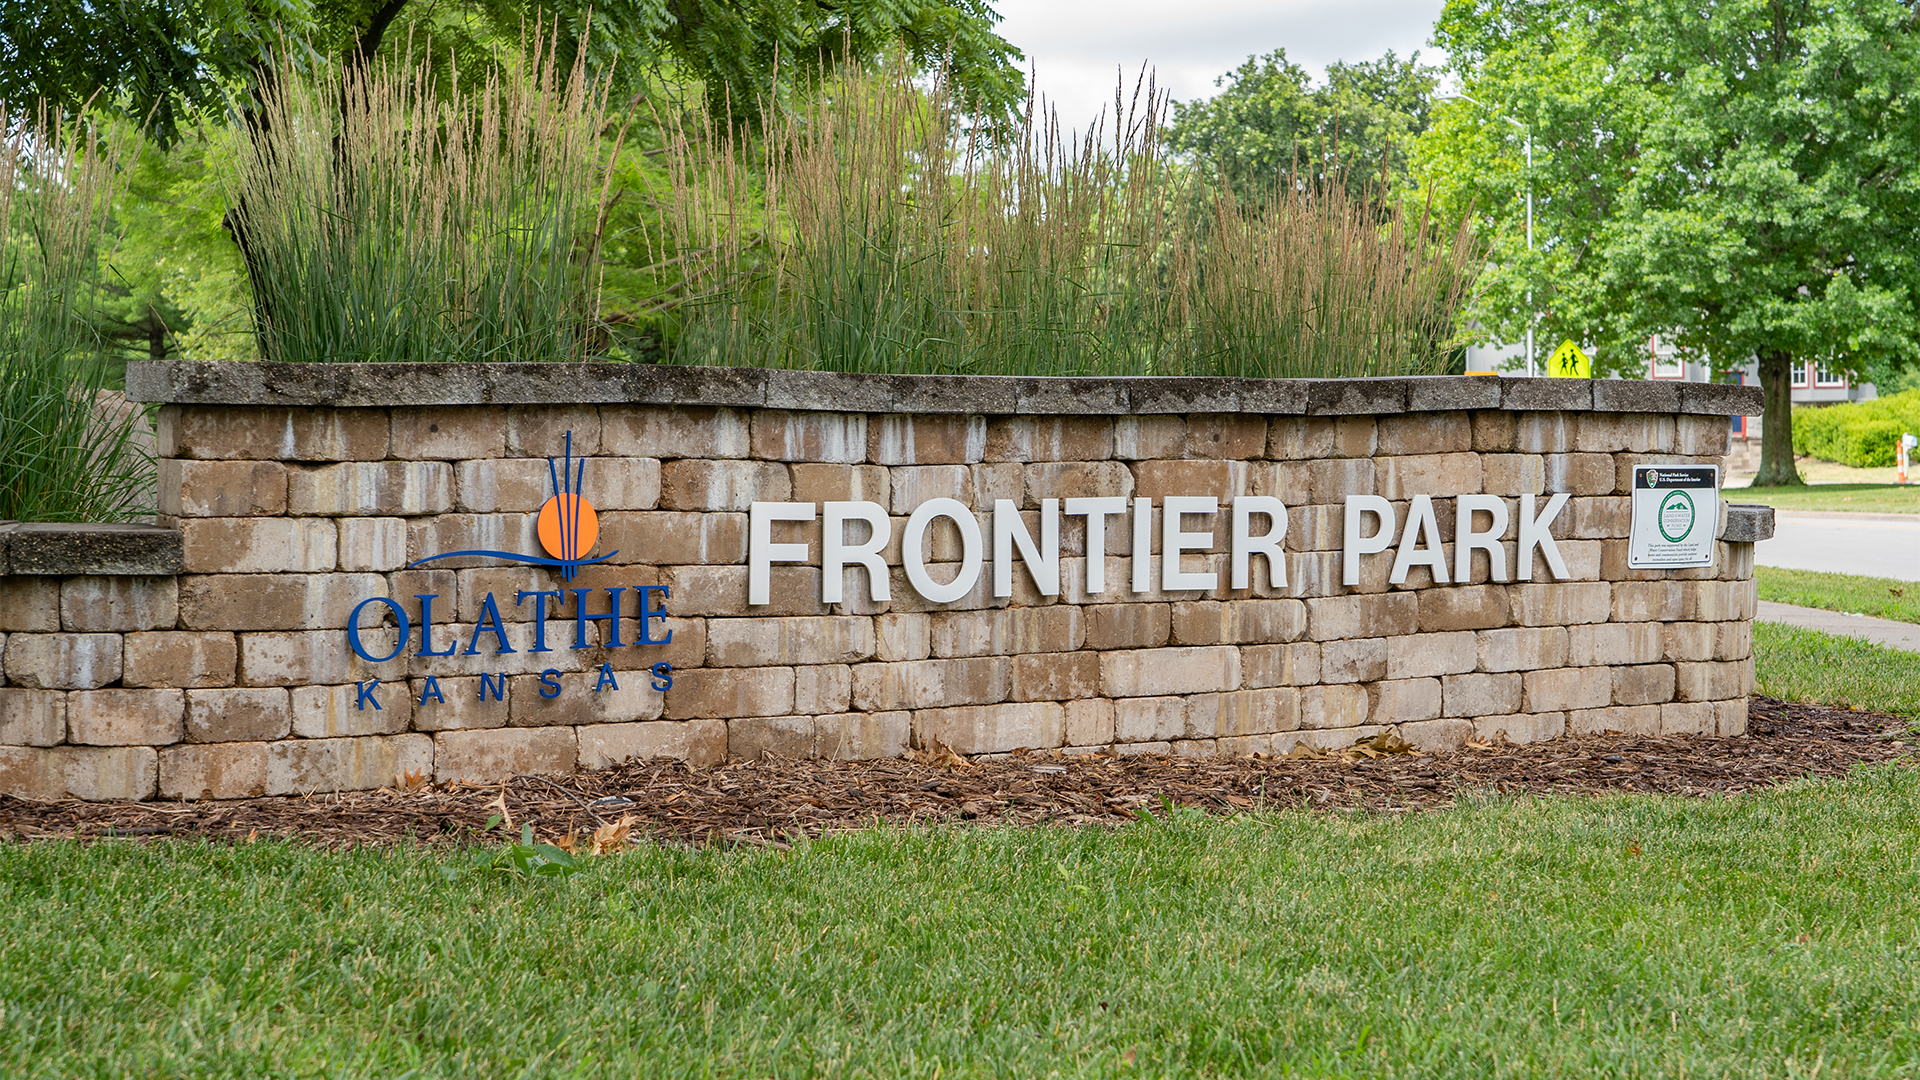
1271 118
1736 176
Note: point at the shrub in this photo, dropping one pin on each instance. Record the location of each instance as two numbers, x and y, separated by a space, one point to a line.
1862 434
70 449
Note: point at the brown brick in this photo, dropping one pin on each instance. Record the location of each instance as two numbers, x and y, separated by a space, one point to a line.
1474 694
722 485
670 538
1713 682
1649 601
32 717
226 602
1425 433
63 661
1640 433
1720 601
632 699
928 684
1298 438
527 706
214 771
862 736
1208 622
1232 436
1149 719
1428 474
179 659
1643 684
1619 720
910 486
95 773
809 436
30 604
661 431
817 483
1147 672
1137 438
304 766
1055 628
1061 676
1562 689
1379 615
221 488
1521 727
1297 664
1334 479
125 717
1688 718
541 430
238 714
1406 700
1464 607
1733 641
101 604
903 636
926 440
523 485
1089 722
1343 706
1604 517
1544 432
1074 480
1730 718
1614 643
259 545
1049 438
722 590
222 432
1243 712
460 706
1224 480
1495 431
329 712
730 692
491 756
456 432
368 488
1435 736
376 544
1513 474
697 742
753 738
1565 604
1127 626
823 688
314 657
806 640
1353 660
992 729
1703 436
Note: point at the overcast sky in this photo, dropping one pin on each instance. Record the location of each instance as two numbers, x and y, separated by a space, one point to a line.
1078 45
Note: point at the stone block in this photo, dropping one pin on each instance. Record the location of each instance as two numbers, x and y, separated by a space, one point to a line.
1331 480
1720 601
226 602
1209 622
1475 694
1689 718
1424 433
376 544
1495 431
1127 626
1065 480
1508 475
926 440
1436 736
722 485
543 430
1089 722
722 590
862 736
817 483
104 604
1343 706
825 688
809 436
1007 631
753 738
1601 644
369 488
63 661
1702 436
449 432
992 729
305 766
1149 719
29 604
1420 656
1713 681
1149 672
221 488
1543 432
1521 727
1402 701
726 693
659 431
1139 438
1649 601
825 639
909 487
239 714
930 684
1229 436
1604 517
1427 474
1299 438
1143 749
1464 607
1564 604
1643 684
1733 641
492 756
179 659
93 773
1049 438
214 771
32 717
523 485
259 545
1730 718
1620 720
907 636
1297 664
230 433
1637 432
630 699
674 538
1059 676
460 705
1242 712
126 717
331 712
1564 689
1353 660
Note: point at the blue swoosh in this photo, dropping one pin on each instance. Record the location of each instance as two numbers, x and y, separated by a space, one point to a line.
532 560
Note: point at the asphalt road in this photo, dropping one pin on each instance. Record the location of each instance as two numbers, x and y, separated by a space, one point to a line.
1877 545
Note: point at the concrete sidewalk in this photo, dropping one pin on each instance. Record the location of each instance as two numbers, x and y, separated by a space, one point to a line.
1898 635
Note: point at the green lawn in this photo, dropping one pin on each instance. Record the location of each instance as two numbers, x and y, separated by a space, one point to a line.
1858 498
1775 934
1883 598
1793 664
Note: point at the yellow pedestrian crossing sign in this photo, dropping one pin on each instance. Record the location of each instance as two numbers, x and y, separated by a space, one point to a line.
1568 362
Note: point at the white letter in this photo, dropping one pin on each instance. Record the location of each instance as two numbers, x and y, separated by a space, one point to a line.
913 541
1173 541
1420 521
1356 545
1142 545
835 553
762 551
1533 533
1097 512
1465 540
1009 532
1244 546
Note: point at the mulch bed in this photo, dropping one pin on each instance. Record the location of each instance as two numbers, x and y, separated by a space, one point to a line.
774 802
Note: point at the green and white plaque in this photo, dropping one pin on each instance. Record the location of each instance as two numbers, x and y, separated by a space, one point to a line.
1676 509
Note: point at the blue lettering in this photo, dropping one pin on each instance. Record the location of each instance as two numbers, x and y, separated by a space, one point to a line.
432 690
662 676
426 626
539 616
365 694
606 679
489 624
353 630
499 689
648 613
581 618
550 684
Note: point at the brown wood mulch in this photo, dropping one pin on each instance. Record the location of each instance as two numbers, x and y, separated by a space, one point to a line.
776 801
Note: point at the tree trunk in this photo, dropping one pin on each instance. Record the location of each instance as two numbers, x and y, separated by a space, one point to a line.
1776 421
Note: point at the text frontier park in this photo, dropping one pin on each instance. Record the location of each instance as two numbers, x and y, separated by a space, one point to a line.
1257 524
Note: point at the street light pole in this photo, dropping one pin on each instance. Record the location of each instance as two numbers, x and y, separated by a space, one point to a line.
1533 316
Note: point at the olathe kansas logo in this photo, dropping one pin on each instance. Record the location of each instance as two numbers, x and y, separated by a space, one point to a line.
568 528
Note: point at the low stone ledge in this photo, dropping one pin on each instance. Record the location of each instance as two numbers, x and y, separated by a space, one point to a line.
379 385
63 549
1747 523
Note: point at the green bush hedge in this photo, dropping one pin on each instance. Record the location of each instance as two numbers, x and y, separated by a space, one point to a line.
1862 434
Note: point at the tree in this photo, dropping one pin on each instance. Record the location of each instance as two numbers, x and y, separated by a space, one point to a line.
1738 177
1270 118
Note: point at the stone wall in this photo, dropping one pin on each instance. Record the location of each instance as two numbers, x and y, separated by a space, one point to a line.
209 658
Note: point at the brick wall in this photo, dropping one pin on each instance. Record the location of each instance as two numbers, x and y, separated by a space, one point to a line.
298 493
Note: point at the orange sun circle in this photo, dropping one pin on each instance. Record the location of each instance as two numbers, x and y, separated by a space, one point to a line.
568 527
